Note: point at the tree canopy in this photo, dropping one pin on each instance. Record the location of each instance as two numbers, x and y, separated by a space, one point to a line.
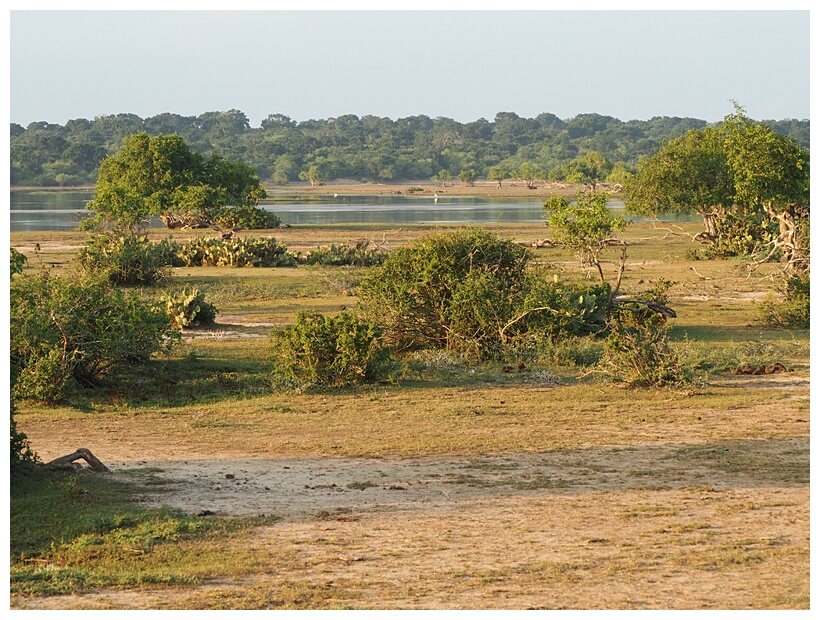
161 176
369 148
739 177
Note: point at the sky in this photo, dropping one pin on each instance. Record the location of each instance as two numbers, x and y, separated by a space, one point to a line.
460 64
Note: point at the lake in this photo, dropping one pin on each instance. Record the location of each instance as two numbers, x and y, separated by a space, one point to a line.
57 210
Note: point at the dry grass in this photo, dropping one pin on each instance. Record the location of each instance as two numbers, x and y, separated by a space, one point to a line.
467 487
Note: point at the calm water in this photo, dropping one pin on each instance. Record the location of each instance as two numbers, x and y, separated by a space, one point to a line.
47 210
57 210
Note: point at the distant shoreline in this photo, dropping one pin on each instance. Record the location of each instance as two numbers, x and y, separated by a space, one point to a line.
508 189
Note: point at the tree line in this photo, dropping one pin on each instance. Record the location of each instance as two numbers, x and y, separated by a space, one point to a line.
585 148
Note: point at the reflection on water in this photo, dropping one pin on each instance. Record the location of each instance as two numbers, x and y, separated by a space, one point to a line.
57 210
47 210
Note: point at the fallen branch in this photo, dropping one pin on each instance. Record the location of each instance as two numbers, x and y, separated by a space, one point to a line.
665 311
68 461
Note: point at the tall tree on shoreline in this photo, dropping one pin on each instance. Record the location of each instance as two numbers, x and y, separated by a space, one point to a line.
162 176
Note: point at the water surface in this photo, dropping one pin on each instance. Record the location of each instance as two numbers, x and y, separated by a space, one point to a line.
63 210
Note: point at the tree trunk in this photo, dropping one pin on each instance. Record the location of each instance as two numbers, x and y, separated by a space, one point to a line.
711 234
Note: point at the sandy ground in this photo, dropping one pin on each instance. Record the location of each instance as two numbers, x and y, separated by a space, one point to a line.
480 188
663 526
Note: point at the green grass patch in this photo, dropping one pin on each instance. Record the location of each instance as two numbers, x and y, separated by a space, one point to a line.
75 531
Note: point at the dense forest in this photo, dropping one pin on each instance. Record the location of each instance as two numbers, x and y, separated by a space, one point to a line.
369 148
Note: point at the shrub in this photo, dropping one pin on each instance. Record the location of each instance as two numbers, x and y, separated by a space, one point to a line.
128 258
246 216
434 291
188 308
238 252
471 292
558 311
640 356
329 351
356 256
70 332
16 262
586 226
793 310
22 457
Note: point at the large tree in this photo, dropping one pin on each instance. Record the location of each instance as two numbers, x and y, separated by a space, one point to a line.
771 176
529 172
741 177
689 174
161 176
590 169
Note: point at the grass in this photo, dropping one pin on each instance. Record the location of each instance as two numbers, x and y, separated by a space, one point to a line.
89 534
73 533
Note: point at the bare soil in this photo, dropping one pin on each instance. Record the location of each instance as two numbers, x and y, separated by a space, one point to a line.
663 525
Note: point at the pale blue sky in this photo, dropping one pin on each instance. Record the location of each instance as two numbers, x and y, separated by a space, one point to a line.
459 64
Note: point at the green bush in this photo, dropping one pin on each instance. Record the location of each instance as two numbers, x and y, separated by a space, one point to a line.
128 259
16 262
22 456
558 310
69 332
472 292
355 256
246 216
188 308
237 252
794 309
640 356
329 351
419 294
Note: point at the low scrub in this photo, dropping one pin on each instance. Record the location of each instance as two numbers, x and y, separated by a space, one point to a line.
188 308
344 255
237 252
128 259
67 333
22 456
329 351
640 356
246 216
793 309
472 292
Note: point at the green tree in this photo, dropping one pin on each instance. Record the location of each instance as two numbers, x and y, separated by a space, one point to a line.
689 174
770 174
587 227
162 176
468 177
529 173
498 174
742 178
312 174
590 169
620 173
443 175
